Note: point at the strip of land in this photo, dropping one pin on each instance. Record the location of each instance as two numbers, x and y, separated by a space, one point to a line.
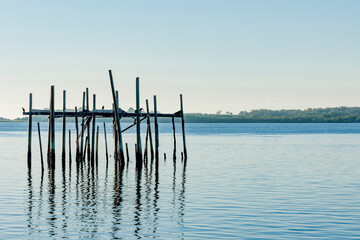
310 115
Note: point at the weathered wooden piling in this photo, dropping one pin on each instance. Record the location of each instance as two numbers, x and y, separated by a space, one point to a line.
64 129
41 152
97 145
29 131
183 126
138 134
156 132
106 148
69 148
117 119
86 146
173 125
92 138
93 131
127 154
51 144
88 129
78 152
82 128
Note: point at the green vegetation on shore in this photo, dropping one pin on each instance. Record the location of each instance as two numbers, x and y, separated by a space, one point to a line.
310 115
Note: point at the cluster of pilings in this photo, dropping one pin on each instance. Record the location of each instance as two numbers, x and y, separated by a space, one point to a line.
87 137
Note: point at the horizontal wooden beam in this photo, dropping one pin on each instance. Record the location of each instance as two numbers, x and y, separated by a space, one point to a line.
99 113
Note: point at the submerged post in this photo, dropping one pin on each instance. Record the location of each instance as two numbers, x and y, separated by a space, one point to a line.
156 132
97 145
106 148
138 136
69 148
127 154
51 144
63 130
117 119
30 132
183 127
93 131
41 153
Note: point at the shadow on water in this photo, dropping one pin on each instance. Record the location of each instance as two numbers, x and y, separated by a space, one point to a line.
105 203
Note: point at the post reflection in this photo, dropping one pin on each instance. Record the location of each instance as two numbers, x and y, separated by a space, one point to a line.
89 202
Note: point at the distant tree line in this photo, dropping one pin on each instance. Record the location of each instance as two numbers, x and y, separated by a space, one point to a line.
310 115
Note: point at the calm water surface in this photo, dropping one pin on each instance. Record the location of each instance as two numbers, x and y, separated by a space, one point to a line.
241 181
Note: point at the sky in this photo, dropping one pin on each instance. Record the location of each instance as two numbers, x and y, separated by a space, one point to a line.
221 55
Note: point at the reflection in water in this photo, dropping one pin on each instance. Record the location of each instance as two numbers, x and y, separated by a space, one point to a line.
81 203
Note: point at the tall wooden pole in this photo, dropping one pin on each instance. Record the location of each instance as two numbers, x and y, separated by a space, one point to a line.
93 131
173 124
29 132
106 148
117 119
88 129
63 130
183 126
82 128
41 152
117 135
51 144
78 156
138 135
149 130
156 132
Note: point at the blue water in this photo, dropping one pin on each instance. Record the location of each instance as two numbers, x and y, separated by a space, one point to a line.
241 181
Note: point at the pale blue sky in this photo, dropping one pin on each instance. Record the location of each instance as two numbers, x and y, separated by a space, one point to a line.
222 55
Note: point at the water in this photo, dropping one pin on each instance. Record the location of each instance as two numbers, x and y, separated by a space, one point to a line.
241 181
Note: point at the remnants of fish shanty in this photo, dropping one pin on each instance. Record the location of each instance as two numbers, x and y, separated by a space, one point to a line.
87 135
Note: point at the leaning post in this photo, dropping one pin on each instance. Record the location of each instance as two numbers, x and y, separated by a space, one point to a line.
149 129
183 127
117 119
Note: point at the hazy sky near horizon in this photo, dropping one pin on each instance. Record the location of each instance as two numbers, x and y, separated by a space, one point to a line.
222 55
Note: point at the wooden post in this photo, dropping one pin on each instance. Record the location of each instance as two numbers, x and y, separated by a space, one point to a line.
173 124
117 119
97 145
29 132
127 154
106 148
82 128
138 134
183 127
69 148
149 129
156 132
41 153
93 132
86 145
117 153
88 129
51 144
63 130
116 145
78 155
